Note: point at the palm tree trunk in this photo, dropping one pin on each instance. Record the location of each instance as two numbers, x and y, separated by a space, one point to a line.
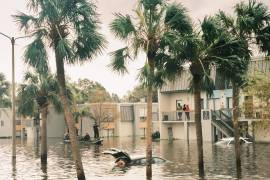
43 153
69 119
198 123
236 130
149 123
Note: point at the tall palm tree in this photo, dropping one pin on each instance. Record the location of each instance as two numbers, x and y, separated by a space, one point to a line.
70 29
252 26
35 96
4 92
147 32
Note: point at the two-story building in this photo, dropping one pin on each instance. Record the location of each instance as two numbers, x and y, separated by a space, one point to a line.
175 123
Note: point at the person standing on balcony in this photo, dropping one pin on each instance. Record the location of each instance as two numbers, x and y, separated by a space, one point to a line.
186 110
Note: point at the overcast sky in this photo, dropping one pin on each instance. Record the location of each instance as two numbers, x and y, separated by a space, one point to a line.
97 69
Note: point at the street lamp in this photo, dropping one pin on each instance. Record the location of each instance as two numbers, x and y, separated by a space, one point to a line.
12 39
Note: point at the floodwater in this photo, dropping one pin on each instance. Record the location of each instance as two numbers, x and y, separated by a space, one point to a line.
181 156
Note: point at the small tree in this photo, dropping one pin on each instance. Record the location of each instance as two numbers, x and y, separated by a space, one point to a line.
5 100
35 96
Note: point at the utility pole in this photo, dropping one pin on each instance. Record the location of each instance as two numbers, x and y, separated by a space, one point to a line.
13 103
12 39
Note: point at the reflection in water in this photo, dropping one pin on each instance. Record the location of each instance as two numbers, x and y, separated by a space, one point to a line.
14 170
181 156
44 170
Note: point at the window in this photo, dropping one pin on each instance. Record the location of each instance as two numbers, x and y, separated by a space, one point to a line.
179 105
2 123
142 118
165 117
202 103
142 112
127 113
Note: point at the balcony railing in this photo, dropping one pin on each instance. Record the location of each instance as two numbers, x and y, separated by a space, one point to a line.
178 116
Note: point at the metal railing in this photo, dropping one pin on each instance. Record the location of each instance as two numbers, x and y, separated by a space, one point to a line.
178 116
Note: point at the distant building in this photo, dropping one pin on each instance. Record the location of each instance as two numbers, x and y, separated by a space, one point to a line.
5 122
118 119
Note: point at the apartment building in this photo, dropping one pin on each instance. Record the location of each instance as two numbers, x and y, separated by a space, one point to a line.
216 109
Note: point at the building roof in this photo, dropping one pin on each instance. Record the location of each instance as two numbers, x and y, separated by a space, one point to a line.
182 82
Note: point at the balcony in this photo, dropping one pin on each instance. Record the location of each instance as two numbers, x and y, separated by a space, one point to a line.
177 116
181 116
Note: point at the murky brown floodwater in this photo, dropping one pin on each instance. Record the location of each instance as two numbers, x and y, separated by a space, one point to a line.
219 161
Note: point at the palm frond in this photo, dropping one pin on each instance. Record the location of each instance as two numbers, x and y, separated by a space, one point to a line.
177 18
64 50
56 102
122 26
119 61
251 17
25 21
31 78
36 55
151 4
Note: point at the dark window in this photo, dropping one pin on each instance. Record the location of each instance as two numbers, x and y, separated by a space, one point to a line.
2 123
202 103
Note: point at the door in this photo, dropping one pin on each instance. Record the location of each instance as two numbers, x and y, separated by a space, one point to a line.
170 133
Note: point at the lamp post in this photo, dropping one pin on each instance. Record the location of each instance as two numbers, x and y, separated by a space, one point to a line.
12 39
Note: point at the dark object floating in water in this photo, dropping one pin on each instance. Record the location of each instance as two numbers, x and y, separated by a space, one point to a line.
123 159
96 141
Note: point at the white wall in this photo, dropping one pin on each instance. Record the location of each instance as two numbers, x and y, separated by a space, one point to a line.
138 108
207 130
55 123
126 129
177 128
5 122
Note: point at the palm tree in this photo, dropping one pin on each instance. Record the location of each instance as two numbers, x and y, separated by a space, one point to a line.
38 92
199 50
148 32
4 92
252 26
70 29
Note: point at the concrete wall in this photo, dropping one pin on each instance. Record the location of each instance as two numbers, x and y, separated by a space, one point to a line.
207 130
177 130
5 122
55 123
126 129
140 112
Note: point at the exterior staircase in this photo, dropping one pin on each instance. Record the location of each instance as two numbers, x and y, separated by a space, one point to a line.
222 121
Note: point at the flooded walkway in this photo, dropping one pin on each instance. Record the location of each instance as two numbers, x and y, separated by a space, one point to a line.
181 156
